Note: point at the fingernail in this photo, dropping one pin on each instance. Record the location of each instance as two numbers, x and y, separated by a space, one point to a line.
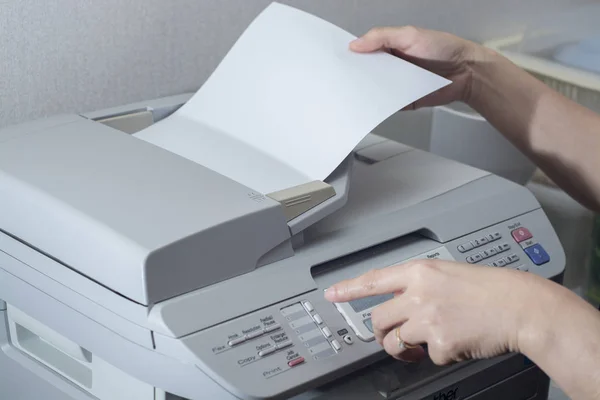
330 292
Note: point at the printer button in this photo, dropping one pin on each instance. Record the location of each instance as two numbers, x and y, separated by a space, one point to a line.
308 306
537 254
236 341
476 243
318 319
272 328
494 236
267 351
475 258
336 345
255 334
368 323
483 240
283 345
521 234
503 247
296 361
326 332
463 248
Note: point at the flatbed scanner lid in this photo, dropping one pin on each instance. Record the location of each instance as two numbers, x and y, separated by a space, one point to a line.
140 220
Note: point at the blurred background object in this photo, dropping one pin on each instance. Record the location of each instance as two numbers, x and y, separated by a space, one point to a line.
563 51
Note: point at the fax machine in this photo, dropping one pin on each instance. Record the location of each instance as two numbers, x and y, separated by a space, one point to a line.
129 272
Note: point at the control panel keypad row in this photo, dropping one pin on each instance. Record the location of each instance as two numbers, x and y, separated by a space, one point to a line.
503 262
476 243
487 253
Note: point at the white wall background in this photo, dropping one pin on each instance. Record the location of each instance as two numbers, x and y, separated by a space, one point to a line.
80 55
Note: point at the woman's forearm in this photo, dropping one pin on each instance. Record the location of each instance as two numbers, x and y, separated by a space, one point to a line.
560 136
562 336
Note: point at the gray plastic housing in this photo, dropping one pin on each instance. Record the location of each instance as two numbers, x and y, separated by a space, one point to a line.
196 372
179 334
136 218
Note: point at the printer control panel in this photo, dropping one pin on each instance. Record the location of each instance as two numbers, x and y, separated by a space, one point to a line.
518 248
280 348
305 341
275 340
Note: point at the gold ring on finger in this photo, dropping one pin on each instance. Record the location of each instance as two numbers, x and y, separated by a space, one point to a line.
401 343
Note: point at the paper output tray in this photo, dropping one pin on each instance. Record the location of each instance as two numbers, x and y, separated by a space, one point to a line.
303 205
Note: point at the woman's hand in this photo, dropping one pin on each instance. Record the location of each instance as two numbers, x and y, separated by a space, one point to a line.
438 52
558 135
460 311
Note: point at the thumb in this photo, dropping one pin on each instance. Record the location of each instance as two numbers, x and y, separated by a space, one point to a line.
401 39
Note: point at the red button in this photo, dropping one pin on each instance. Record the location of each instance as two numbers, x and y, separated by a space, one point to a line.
521 234
295 362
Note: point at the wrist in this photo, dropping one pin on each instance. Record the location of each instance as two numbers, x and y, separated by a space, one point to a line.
547 304
481 65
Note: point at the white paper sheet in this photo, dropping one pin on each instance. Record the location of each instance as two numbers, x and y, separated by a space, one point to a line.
289 102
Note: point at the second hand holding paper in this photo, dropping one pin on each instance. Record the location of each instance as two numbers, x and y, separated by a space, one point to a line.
289 102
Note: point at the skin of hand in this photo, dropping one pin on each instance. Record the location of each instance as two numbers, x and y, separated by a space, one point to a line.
464 311
460 311
560 136
438 52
